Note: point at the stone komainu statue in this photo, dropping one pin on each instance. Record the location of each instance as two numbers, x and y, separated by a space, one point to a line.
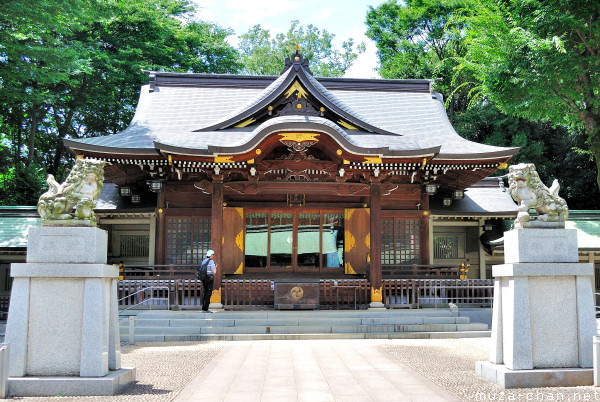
72 202
529 192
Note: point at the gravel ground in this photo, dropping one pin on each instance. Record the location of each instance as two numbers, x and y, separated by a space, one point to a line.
450 363
162 370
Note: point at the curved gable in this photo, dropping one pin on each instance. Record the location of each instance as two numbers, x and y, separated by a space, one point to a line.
296 92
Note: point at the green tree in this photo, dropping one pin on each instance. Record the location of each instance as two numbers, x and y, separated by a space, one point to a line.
35 55
539 59
73 69
263 54
556 151
420 39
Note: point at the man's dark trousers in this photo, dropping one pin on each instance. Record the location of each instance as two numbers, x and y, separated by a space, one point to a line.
207 285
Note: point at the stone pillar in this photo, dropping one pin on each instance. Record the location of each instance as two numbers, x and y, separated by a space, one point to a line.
375 249
63 316
543 321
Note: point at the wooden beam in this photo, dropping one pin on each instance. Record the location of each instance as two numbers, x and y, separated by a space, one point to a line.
293 187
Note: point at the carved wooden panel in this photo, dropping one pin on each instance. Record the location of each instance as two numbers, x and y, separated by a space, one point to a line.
301 294
357 241
233 241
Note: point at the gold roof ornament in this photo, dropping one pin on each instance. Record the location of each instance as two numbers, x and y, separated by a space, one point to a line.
296 87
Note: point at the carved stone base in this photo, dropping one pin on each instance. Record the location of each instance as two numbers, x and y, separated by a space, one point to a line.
376 306
553 377
63 317
541 225
70 223
111 384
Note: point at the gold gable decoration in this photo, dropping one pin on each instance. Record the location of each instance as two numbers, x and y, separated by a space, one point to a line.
296 87
246 123
346 125
299 137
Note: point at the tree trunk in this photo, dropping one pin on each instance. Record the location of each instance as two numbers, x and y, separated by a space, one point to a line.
62 132
451 104
32 133
592 126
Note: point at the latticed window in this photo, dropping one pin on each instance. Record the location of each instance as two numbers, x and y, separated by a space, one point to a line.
134 245
188 239
445 247
400 241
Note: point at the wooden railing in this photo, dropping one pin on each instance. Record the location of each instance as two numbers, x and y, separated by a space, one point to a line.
439 289
260 292
417 271
246 292
399 292
329 292
434 292
187 271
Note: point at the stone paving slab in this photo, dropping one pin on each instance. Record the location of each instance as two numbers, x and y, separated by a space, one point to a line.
313 370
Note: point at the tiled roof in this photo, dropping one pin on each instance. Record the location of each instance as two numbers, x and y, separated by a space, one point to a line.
587 224
486 198
173 108
14 225
240 139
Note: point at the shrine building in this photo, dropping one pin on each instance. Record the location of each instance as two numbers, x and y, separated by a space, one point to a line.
294 176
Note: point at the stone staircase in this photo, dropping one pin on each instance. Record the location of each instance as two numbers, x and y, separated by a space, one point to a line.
174 326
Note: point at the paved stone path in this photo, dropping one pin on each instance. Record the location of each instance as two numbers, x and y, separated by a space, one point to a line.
319 370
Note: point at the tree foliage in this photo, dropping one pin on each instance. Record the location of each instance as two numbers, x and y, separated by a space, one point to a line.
264 54
420 39
539 59
556 151
506 60
73 68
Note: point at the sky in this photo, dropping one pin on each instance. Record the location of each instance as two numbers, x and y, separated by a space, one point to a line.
344 18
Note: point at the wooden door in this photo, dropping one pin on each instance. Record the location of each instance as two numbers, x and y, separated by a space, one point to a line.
233 241
357 240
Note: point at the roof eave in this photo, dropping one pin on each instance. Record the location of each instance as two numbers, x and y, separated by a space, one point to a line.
78 148
503 153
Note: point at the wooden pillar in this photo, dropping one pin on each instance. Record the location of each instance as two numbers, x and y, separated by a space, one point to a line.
161 229
217 237
426 232
482 262
375 268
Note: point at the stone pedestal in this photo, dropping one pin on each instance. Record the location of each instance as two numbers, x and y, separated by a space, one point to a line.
543 319
63 316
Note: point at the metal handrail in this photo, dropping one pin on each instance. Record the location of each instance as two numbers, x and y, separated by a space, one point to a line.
150 298
445 287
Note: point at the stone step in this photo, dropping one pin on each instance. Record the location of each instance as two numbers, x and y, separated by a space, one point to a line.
296 314
209 322
305 329
364 335
166 326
